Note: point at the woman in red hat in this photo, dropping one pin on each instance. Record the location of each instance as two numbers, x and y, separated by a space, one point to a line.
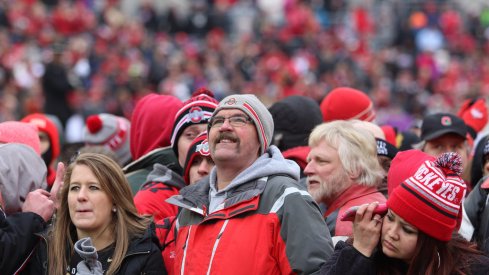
416 235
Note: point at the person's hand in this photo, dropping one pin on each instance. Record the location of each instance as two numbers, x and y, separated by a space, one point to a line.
366 229
58 184
38 202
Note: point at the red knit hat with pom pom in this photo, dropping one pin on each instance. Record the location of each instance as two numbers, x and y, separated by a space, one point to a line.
430 198
196 110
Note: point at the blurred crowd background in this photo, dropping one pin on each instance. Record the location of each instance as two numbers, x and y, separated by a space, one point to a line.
82 57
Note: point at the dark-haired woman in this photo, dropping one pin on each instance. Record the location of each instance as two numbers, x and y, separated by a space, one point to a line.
416 236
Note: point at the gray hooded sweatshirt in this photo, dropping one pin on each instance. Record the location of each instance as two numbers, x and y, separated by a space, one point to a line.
22 170
270 163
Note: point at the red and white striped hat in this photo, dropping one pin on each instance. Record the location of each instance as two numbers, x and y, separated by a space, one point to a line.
430 198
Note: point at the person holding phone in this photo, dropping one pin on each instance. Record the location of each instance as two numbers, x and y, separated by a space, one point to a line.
342 171
418 233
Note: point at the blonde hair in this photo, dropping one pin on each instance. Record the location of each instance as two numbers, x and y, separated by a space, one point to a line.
356 148
127 223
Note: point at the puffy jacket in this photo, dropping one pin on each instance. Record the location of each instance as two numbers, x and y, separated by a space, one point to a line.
17 239
143 256
161 184
266 224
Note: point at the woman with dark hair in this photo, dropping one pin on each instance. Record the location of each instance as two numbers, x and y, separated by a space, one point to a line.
97 228
416 235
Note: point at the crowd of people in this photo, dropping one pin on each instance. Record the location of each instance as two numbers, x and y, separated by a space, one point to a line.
244 137
226 186
79 58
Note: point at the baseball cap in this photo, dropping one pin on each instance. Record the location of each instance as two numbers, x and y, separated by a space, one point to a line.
436 125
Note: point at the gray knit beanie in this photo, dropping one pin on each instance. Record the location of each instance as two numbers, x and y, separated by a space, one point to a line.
110 131
256 110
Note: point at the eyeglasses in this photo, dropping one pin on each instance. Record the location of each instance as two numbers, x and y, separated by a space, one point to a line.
235 121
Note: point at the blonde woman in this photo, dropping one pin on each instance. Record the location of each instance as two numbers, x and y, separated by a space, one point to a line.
97 216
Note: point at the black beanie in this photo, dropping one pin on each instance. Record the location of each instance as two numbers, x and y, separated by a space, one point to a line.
294 118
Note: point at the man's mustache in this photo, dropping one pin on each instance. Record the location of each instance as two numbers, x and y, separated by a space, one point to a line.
227 136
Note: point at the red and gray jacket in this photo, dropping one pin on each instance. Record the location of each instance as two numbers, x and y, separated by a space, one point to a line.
266 224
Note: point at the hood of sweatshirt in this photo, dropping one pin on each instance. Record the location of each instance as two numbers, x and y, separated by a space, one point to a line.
152 123
165 175
270 163
22 170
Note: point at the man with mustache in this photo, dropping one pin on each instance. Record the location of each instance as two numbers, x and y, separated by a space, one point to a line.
249 216
342 171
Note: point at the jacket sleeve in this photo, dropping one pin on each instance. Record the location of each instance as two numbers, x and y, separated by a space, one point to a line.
347 260
17 239
165 231
474 206
151 200
307 240
37 263
475 202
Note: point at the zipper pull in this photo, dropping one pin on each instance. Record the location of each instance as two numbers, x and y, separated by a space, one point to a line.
204 209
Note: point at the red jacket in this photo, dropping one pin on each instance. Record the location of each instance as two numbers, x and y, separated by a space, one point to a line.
162 183
264 227
165 231
353 196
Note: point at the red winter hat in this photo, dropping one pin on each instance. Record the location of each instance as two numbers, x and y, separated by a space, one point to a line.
20 132
345 103
430 198
474 114
404 165
198 147
390 133
46 125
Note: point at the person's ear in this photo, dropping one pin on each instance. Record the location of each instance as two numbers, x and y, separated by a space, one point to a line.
354 175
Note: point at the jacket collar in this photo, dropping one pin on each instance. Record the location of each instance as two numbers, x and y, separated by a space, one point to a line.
196 197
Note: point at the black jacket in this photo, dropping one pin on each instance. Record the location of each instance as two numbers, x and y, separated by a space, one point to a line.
347 260
143 257
17 239
477 209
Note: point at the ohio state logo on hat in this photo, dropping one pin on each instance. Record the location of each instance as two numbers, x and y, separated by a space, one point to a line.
231 101
446 121
195 114
203 148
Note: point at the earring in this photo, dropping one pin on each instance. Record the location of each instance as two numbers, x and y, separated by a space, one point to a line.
114 209
439 260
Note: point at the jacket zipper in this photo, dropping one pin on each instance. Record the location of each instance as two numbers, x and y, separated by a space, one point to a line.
182 269
216 244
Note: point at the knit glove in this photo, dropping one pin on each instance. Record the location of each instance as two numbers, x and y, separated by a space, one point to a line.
88 253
